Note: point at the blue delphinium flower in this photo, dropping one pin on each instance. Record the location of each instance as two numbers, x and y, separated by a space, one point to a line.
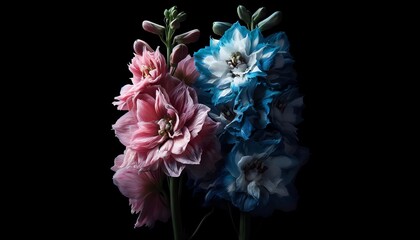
231 70
233 62
257 177
250 85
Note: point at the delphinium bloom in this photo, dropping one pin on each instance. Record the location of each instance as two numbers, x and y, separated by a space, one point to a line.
144 191
249 83
233 62
163 131
235 80
257 177
148 68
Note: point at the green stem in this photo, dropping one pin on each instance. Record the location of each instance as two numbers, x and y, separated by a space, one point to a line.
175 208
168 55
244 226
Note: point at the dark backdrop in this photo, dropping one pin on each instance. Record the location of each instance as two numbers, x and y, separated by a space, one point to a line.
91 48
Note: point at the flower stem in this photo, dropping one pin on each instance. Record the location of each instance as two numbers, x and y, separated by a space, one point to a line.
175 208
244 225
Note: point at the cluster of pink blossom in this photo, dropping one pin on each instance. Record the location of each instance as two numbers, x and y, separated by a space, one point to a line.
165 130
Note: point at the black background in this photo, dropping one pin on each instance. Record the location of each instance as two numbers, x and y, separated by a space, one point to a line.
88 48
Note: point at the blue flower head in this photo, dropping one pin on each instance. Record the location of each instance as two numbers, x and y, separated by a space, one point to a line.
233 62
257 178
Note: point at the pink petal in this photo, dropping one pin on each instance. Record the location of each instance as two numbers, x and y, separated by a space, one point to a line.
129 182
172 168
181 142
125 127
210 127
146 136
211 155
165 149
145 108
118 162
191 155
155 208
181 99
160 104
130 158
170 83
197 123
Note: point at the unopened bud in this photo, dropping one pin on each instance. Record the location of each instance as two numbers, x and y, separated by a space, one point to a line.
174 24
182 16
259 14
188 37
179 52
270 22
140 45
244 14
166 13
219 28
153 28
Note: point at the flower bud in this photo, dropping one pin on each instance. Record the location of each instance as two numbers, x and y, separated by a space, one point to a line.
154 28
182 16
270 22
259 14
140 45
173 12
244 14
179 52
174 24
219 28
166 13
188 37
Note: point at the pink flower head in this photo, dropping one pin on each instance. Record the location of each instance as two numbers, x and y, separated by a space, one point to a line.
164 130
143 190
186 70
148 68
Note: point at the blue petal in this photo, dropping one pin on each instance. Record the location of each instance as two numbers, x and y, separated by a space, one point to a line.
199 58
279 39
266 62
229 34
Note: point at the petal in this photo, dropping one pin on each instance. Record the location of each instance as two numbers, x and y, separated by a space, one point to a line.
161 104
173 168
197 123
146 136
181 142
128 182
118 162
253 190
191 155
155 208
145 108
125 127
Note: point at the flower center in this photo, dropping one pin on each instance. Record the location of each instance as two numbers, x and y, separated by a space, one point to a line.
253 170
166 126
237 64
145 70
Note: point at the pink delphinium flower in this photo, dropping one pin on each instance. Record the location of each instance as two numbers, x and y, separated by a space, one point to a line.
148 68
144 192
163 130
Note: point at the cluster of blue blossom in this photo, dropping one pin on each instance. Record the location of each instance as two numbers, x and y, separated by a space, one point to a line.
249 83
